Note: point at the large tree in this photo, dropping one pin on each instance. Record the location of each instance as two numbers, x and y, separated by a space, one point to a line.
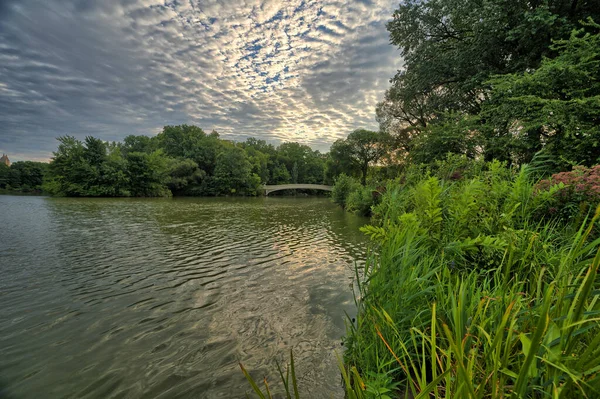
555 107
303 163
360 149
233 173
451 48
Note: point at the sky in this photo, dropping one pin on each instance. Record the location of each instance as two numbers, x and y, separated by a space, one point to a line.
279 70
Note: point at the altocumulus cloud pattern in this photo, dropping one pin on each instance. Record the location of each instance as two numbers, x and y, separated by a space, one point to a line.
308 71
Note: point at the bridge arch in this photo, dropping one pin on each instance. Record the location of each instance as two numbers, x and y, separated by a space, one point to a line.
277 187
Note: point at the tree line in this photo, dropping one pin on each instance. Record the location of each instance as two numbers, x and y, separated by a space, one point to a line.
185 160
23 176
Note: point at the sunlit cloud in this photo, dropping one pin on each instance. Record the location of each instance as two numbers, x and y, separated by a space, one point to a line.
308 71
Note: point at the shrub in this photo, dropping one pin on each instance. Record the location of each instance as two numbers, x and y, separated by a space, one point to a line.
342 188
573 193
457 167
361 200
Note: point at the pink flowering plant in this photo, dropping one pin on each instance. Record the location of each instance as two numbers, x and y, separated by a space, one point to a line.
573 193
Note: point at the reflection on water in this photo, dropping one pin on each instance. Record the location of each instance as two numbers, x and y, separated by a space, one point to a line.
162 298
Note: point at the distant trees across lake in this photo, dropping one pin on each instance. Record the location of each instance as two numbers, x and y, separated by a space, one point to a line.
185 160
23 176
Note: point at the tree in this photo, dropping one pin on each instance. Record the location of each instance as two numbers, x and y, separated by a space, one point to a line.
362 148
451 48
113 172
233 173
295 173
259 162
340 161
181 160
455 134
148 174
280 174
92 169
555 107
187 141
303 164
181 141
26 175
141 143
4 175
184 176
68 170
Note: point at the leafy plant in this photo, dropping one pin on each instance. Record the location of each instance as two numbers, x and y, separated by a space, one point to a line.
343 187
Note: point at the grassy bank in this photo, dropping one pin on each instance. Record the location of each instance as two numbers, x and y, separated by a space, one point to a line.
483 285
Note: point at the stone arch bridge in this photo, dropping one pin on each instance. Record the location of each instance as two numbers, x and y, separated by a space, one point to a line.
270 188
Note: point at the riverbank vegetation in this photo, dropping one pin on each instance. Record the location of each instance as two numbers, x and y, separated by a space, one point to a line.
483 283
184 160
552 107
483 286
181 160
483 280
23 177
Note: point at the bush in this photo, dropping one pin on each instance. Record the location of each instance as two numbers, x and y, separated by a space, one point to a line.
361 200
342 188
573 193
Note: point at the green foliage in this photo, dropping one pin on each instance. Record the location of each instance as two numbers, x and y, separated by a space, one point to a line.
483 282
233 173
359 150
343 187
93 168
554 106
340 162
147 174
303 164
377 388
290 385
184 141
279 174
139 144
4 175
361 200
469 295
502 79
454 134
184 175
181 160
23 176
68 170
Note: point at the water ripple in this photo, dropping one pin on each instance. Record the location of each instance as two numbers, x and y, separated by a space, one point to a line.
162 298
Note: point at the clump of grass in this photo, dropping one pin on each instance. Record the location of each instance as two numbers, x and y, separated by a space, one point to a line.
472 298
353 383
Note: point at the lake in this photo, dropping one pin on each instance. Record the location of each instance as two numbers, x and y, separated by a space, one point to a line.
161 298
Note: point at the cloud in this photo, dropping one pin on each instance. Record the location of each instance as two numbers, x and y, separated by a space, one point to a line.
301 70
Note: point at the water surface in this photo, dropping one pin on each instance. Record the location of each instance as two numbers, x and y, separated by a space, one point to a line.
161 298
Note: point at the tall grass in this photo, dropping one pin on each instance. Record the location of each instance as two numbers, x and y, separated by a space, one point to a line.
470 296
